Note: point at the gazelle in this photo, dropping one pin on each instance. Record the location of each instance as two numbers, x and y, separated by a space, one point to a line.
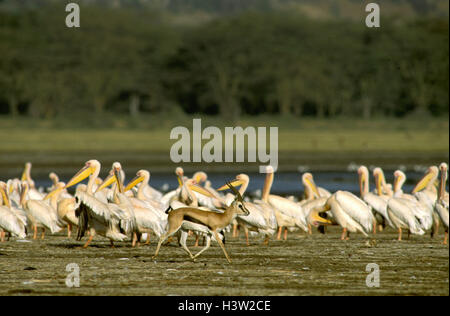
213 221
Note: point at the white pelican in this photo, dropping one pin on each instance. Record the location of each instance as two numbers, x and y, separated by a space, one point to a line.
147 219
41 213
288 213
315 198
422 211
378 202
351 213
11 221
426 192
442 204
103 218
261 219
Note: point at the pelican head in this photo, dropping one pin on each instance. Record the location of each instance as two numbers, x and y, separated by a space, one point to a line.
90 167
429 177
59 187
200 177
378 174
363 175
399 180
141 175
308 182
54 177
239 180
114 175
180 174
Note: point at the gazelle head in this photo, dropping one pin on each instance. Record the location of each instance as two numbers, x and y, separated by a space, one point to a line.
238 203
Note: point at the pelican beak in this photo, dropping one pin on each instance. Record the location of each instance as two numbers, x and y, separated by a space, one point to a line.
180 182
361 181
423 182
235 183
133 183
378 184
24 176
118 179
317 220
312 185
396 182
4 197
56 191
80 176
201 190
107 182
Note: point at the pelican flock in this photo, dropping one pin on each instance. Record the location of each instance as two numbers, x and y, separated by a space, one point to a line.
134 211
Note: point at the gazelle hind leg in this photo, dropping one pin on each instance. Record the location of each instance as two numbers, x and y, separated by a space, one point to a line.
163 238
184 236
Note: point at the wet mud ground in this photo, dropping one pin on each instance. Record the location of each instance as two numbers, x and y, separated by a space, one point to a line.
302 265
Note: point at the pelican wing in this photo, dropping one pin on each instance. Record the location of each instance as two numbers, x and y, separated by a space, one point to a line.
147 219
402 216
442 210
255 218
289 208
11 223
356 208
44 214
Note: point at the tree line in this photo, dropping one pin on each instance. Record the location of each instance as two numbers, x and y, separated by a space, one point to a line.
132 61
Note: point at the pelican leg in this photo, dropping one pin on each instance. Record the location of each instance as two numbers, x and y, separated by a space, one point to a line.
309 229
34 231
409 234
89 241
344 234
69 230
246 235
374 227
43 233
285 233
399 234
279 233
434 229
266 240
133 242
197 237
445 237
2 236
235 230
222 246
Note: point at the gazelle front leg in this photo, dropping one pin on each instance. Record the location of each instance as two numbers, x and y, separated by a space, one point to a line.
221 245
208 243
